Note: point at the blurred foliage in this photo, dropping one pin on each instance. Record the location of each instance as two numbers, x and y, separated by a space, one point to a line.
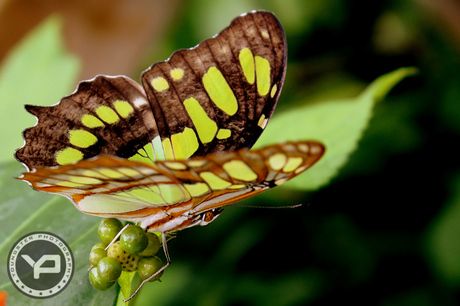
384 231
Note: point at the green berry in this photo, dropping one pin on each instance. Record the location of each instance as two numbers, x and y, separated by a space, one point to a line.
134 239
95 255
108 229
109 269
153 245
147 266
128 261
116 251
97 282
130 265
100 245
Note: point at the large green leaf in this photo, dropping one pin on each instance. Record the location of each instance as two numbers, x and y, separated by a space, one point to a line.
37 71
338 124
23 210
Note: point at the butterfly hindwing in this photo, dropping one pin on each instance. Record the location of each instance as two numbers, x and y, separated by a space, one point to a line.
105 116
154 194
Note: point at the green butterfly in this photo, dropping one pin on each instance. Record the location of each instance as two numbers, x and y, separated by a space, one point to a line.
170 154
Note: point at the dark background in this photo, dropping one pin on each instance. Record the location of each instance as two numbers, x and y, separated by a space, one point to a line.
386 230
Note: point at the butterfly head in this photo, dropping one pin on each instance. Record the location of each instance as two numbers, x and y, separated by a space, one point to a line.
209 216
206 217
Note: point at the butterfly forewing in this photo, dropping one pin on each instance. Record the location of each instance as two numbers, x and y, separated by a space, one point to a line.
155 194
219 95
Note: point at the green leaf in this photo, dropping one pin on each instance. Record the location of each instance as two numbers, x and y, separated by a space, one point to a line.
37 71
339 124
24 210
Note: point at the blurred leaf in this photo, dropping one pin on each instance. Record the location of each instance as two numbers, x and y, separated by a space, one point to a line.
38 71
443 239
24 210
338 124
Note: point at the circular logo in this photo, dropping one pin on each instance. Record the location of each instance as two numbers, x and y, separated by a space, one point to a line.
40 265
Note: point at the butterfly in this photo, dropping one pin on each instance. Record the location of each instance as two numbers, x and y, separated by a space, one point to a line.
171 153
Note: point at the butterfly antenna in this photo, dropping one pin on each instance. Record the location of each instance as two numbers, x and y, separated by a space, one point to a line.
118 235
267 207
168 261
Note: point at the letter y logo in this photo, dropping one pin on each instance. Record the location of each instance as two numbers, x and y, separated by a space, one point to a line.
38 269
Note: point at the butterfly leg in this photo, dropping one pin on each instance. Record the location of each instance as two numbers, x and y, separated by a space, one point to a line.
118 235
168 261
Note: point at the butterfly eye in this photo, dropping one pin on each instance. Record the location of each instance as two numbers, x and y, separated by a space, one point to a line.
210 215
